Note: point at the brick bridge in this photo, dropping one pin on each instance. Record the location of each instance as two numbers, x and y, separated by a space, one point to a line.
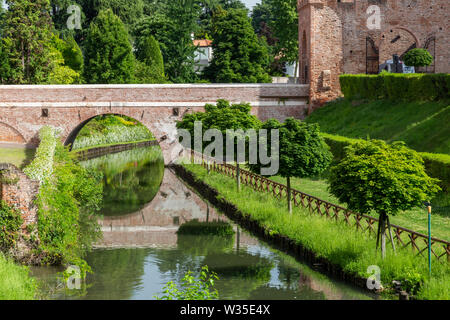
25 109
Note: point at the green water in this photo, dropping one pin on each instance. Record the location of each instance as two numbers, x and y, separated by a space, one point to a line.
141 250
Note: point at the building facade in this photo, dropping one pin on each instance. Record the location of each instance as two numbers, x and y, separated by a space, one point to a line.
357 36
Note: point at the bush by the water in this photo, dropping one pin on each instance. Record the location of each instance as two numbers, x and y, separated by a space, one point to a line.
41 167
213 228
67 198
111 129
405 87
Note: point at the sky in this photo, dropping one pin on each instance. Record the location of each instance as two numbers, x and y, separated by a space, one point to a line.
251 3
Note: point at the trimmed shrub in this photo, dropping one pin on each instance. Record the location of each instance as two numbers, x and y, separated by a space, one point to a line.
418 57
436 165
394 86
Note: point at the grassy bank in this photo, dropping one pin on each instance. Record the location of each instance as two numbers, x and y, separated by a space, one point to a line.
422 125
20 157
415 219
109 130
338 243
15 282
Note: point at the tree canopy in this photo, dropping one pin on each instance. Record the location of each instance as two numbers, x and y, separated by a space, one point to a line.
26 43
108 52
239 56
418 57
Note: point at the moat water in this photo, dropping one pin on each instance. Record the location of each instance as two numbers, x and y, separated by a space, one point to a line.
144 206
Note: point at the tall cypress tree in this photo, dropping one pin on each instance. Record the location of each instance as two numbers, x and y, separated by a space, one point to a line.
108 52
26 42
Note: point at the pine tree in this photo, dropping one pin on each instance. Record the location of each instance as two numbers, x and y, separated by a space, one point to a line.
108 52
239 56
26 42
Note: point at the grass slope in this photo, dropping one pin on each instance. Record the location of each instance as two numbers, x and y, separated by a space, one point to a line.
17 156
415 219
339 243
15 282
422 125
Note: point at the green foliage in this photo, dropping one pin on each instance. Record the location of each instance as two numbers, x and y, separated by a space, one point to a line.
64 201
192 288
26 38
418 57
213 228
73 57
385 178
150 64
284 25
421 125
41 167
392 86
302 150
108 52
10 225
15 281
223 116
239 55
61 73
339 243
436 165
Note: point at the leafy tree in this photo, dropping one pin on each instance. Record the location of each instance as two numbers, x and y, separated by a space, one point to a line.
302 151
129 12
223 117
418 57
239 56
172 26
26 39
73 56
380 177
108 52
151 66
284 26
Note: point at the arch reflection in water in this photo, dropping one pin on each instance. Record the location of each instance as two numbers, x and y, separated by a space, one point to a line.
142 250
131 179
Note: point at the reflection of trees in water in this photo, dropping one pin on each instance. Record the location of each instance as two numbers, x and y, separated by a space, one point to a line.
116 272
272 293
203 245
131 178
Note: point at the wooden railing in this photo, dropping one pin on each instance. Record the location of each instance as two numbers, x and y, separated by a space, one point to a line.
364 223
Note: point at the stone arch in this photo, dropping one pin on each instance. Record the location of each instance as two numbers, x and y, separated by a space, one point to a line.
396 40
10 134
73 133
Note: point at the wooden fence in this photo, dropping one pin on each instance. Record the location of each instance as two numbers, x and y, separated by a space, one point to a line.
365 223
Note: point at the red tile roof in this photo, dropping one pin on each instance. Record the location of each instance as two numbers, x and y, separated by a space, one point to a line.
202 43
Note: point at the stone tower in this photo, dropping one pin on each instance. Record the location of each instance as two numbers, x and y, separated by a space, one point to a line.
356 36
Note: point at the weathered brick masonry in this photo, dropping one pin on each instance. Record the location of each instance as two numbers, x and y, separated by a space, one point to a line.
25 109
335 38
19 192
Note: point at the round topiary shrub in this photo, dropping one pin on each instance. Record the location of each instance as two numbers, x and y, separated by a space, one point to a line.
418 57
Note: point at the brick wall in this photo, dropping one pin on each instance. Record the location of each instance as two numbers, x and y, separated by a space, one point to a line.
19 192
337 33
26 109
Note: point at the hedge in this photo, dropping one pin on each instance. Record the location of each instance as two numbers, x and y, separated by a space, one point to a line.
42 165
436 165
394 86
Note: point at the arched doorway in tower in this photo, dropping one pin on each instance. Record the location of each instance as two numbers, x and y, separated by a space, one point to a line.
304 76
396 41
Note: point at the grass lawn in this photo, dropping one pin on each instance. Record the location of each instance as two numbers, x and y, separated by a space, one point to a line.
17 156
415 219
15 282
341 244
422 125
